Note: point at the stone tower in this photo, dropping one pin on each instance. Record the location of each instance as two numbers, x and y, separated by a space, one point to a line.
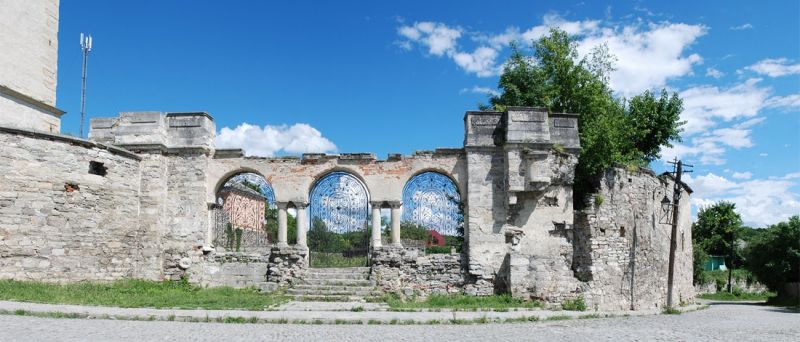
28 65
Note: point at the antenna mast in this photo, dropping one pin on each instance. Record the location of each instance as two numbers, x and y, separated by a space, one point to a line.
86 46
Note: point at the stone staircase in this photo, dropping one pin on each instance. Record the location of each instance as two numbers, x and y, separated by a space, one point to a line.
335 284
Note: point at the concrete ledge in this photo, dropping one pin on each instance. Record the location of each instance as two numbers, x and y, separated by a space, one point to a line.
70 140
343 316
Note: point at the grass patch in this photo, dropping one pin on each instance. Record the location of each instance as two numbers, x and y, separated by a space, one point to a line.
737 295
357 309
133 293
671 311
589 316
558 318
461 302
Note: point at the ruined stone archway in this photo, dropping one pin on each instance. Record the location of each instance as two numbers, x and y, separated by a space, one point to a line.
339 210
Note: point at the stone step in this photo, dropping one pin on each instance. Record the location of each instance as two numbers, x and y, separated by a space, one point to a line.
353 276
317 298
364 271
336 282
317 292
332 287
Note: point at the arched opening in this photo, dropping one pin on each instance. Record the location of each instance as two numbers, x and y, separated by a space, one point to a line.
243 213
433 216
339 207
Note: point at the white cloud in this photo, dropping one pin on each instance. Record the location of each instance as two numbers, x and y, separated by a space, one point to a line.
647 58
711 72
742 175
648 55
268 140
703 104
480 90
438 38
760 202
775 67
763 154
745 26
788 102
718 119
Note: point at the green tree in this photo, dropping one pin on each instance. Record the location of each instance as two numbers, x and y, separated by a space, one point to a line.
715 230
773 256
612 130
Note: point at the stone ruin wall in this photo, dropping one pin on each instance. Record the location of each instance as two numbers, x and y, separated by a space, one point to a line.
514 174
628 235
58 222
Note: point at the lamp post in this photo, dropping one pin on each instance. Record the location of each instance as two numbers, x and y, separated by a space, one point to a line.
86 46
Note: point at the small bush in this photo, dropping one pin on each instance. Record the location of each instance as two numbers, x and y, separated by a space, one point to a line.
671 311
598 200
575 304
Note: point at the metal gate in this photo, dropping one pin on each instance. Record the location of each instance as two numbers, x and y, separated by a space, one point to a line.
338 236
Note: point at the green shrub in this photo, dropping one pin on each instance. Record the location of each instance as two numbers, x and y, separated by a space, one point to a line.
598 200
574 304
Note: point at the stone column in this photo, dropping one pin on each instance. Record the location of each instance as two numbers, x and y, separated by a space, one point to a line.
396 223
302 224
376 224
282 226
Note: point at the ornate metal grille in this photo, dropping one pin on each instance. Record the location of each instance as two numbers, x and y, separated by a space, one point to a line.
339 201
228 236
431 200
233 239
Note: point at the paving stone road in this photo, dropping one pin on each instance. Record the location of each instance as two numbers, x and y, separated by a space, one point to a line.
721 322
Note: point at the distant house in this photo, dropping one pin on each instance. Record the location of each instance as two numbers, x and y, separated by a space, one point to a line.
715 262
245 206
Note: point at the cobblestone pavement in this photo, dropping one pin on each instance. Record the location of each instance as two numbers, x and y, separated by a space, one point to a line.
721 322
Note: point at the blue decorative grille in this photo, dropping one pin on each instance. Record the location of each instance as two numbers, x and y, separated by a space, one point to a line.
341 202
431 199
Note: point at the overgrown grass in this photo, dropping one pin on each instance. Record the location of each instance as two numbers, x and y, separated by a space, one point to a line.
462 302
671 311
139 293
737 295
325 260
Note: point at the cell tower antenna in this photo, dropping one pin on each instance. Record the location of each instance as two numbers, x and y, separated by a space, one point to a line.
86 46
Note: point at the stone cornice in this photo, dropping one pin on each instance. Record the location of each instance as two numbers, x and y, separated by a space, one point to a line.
30 101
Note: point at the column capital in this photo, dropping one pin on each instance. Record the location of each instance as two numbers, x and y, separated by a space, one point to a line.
300 205
395 204
282 205
378 204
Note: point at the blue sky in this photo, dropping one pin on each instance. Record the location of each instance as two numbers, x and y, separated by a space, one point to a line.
372 77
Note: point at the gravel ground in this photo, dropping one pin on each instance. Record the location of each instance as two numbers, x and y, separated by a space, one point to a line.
721 322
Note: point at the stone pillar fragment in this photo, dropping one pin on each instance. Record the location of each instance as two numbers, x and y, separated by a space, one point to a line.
282 225
396 224
376 224
302 224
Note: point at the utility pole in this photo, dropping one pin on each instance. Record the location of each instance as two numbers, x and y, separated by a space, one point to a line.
673 240
86 46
